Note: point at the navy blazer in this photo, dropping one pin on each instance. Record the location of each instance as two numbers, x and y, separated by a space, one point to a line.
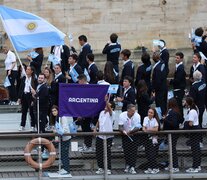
179 80
129 98
128 70
92 71
82 61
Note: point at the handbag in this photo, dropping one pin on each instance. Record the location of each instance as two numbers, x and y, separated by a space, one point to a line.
7 82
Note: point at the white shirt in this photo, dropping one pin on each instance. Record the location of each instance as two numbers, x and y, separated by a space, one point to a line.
10 58
177 65
129 123
57 75
195 66
27 87
106 123
103 82
193 117
57 51
126 61
150 123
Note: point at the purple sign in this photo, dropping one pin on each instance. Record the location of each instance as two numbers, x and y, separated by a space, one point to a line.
78 100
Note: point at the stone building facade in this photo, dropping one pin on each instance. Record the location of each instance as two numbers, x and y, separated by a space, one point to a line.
135 21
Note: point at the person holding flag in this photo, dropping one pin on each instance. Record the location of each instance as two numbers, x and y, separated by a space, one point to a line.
129 124
75 70
104 124
36 57
11 71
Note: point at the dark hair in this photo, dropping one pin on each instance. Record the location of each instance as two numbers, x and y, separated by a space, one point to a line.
52 117
75 57
82 38
39 50
145 58
198 55
199 31
141 87
109 73
113 105
82 77
113 37
90 56
163 41
156 117
42 74
172 104
100 75
180 54
156 56
126 52
58 65
128 78
190 103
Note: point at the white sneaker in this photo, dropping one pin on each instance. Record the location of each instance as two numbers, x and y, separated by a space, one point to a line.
155 171
148 171
132 171
32 129
174 170
126 170
21 128
193 170
108 171
201 145
100 171
63 172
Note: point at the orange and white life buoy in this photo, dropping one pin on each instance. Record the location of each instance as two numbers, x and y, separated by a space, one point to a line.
31 145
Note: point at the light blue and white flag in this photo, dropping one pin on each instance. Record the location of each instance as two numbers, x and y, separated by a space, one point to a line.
54 59
113 88
33 54
74 75
87 75
28 31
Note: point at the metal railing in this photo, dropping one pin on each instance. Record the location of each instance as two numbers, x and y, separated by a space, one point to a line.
86 160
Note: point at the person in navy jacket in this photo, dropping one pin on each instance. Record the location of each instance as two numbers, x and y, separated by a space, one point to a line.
129 94
128 66
197 66
164 55
73 64
179 80
37 61
62 52
198 93
159 83
144 71
85 49
92 69
59 78
112 50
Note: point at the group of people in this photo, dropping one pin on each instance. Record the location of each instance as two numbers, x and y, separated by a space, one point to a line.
149 84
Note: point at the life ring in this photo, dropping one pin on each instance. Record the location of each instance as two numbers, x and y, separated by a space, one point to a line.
31 145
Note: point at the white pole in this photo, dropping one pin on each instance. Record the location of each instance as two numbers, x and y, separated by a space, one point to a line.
13 47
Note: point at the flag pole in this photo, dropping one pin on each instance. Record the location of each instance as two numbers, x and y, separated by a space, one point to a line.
23 70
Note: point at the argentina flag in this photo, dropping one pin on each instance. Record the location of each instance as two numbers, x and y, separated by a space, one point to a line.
27 31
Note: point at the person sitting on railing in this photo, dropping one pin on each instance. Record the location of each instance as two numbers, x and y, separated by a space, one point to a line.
171 122
104 124
192 122
151 124
129 124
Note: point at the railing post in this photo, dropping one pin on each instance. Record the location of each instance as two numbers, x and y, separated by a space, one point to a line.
105 159
170 155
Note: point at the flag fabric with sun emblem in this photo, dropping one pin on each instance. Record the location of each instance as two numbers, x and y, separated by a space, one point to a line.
27 31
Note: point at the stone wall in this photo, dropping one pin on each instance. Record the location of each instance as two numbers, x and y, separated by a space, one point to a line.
135 21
